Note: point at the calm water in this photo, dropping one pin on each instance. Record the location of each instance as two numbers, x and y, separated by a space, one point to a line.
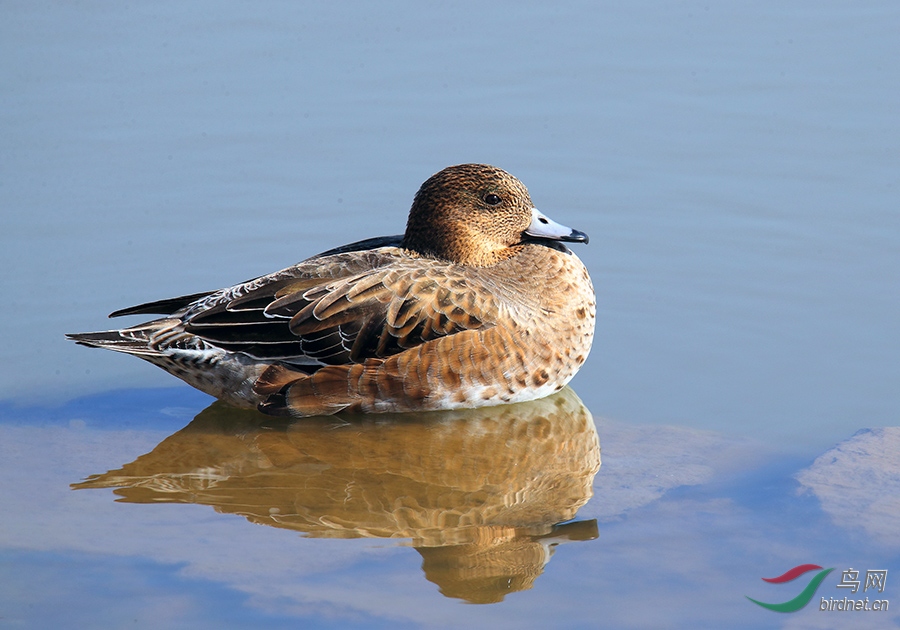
736 167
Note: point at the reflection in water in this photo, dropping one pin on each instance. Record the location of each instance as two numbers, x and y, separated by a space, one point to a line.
479 492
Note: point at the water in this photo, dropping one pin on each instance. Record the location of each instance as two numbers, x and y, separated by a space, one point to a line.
736 169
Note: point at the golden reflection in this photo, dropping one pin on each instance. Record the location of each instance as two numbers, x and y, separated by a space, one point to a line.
479 492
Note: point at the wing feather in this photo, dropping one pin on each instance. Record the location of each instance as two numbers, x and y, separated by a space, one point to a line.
370 313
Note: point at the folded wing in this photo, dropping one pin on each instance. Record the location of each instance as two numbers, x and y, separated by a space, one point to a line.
370 315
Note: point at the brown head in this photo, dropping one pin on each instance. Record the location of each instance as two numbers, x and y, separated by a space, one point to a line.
475 214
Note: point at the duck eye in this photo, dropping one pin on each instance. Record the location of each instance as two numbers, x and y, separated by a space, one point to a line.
491 199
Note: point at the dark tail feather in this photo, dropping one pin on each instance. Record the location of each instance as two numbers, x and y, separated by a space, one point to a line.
160 307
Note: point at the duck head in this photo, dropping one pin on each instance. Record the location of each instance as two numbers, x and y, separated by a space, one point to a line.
477 215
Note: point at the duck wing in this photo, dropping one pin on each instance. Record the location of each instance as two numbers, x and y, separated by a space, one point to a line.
183 303
372 314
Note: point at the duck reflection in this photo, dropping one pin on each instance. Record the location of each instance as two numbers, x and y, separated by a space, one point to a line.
479 492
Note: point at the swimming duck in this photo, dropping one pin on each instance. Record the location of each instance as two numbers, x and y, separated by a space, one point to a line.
478 303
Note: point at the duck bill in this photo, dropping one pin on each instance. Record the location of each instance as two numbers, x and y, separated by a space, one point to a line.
543 227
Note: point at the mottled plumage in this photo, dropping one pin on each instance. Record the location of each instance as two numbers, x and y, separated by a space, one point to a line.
478 303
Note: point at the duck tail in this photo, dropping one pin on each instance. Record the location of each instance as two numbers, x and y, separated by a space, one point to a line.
118 340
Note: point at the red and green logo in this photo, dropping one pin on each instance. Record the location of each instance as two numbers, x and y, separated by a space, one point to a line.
805 595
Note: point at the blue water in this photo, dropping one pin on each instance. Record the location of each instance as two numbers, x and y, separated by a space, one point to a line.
735 165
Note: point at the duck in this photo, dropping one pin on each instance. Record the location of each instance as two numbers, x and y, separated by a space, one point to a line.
479 302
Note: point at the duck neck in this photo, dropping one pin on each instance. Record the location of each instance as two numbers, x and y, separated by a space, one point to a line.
456 249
